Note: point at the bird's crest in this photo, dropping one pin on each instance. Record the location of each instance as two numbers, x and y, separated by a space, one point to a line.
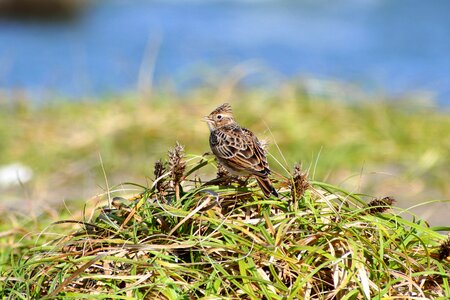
223 109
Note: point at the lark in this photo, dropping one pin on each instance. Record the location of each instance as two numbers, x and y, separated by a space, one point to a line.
238 149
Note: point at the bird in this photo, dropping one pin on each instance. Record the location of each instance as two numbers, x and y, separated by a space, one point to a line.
238 149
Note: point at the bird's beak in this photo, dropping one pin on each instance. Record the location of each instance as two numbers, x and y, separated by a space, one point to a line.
207 119
210 122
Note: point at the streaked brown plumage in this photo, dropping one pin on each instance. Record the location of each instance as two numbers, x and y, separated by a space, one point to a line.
237 148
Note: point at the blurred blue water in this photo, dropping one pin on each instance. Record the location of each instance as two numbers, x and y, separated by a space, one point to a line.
397 46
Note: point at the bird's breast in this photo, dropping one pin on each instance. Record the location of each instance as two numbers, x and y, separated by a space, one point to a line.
213 138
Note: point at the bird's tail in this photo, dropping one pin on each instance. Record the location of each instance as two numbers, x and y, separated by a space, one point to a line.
266 186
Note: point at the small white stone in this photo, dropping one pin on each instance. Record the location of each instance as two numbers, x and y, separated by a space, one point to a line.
14 174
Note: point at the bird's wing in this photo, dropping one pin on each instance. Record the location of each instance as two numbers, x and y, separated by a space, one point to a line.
258 150
240 148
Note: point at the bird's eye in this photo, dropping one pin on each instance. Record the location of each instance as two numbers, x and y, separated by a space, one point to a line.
219 117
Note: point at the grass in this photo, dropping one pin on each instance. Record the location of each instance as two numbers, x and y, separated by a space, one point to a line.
182 237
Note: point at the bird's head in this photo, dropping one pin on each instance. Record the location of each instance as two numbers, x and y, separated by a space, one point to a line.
220 117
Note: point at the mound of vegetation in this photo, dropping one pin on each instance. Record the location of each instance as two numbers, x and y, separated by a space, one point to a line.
184 238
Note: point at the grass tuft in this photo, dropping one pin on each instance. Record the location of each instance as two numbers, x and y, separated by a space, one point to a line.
316 241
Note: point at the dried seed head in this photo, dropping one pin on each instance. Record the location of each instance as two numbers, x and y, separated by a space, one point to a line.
177 164
380 205
299 182
444 249
159 170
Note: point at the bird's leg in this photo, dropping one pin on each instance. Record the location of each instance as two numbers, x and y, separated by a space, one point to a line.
219 181
242 181
223 177
223 174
